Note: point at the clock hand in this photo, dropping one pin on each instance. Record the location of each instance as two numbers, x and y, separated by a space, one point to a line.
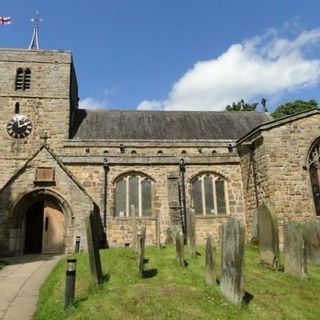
23 124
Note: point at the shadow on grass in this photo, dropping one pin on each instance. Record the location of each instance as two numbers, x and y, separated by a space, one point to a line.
247 298
106 278
150 273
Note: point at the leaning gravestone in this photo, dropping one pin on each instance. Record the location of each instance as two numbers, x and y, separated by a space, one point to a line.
141 239
268 238
157 227
93 248
232 260
210 275
311 234
295 258
134 227
180 248
191 232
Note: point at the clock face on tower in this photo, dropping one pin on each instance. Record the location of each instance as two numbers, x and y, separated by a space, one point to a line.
19 126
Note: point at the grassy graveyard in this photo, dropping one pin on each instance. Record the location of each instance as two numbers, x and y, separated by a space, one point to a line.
168 291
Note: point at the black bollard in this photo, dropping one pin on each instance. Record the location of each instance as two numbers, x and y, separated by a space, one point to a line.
77 247
70 282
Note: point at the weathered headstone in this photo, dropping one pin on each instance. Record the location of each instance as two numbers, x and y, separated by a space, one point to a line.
134 227
93 248
254 229
210 275
311 235
191 232
232 260
180 248
268 238
141 239
172 232
157 227
295 257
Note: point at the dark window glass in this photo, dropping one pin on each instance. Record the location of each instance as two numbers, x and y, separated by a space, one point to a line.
146 197
208 189
196 196
120 198
221 201
134 194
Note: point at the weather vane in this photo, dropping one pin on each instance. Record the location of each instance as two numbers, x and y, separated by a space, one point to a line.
34 44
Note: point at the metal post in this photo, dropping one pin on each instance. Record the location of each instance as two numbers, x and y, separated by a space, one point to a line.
106 168
182 192
77 246
70 282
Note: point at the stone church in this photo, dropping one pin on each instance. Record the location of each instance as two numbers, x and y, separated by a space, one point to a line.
60 163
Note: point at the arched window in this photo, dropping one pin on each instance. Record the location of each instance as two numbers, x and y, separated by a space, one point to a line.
209 193
133 189
314 170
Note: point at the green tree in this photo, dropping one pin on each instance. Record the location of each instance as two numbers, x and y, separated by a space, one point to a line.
293 107
241 106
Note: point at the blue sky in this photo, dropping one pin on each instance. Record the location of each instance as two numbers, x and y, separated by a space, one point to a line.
178 54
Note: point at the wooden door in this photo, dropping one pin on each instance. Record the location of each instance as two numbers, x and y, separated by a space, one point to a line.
53 228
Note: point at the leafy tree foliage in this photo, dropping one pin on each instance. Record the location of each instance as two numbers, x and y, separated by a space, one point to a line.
241 106
293 107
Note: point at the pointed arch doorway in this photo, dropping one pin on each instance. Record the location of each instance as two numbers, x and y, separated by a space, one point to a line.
44 228
41 221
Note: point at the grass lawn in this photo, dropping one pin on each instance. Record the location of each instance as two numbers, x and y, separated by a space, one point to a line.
170 292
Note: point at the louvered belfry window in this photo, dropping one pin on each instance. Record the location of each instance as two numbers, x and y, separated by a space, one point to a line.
23 79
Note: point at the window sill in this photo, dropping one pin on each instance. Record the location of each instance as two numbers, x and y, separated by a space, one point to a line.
130 218
224 216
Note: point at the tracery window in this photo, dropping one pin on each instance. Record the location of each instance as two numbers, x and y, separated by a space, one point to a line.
133 189
209 194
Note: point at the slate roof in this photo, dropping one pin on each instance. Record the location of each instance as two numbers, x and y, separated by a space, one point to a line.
163 125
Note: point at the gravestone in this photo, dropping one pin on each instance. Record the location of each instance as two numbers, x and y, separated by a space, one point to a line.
134 227
232 260
141 239
254 229
191 232
157 227
295 258
210 275
311 235
180 248
268 238
93 248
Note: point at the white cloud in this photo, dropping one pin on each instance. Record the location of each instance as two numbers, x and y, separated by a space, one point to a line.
260 66
92 103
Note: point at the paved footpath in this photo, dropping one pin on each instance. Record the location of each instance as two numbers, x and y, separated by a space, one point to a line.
20 282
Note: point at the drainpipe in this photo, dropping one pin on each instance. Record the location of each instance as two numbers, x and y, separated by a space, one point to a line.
254 173
182 193
106 168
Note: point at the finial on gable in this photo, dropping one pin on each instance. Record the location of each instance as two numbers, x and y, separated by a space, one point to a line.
34 44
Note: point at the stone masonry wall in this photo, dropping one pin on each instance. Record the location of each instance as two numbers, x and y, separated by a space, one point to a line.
283 181
119 230
74 198
47 103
